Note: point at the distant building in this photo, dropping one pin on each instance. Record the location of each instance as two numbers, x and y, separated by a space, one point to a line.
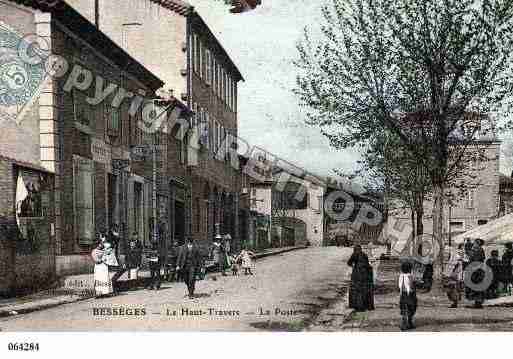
505 195
291 205
480 201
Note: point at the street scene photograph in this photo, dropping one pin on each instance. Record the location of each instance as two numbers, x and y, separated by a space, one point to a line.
256 166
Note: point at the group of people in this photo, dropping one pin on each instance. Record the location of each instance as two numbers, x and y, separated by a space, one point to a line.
224 259
105 257
469 271
361 290
189 263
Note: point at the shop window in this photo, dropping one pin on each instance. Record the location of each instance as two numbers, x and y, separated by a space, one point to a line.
33 195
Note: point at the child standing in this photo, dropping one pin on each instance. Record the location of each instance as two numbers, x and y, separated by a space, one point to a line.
408 296
245 257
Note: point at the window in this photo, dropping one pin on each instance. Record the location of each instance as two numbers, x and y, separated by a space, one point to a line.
194 53
294 196
201 68
229 95
81 109
112 116
235 97
36 202
208 76
191 51
470 198
219 82
223 134
214 74
234 94
210 131
183 149
83 199
481 222
195 114
225 80
221 94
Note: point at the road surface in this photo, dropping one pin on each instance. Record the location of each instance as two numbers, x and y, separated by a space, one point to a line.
286 291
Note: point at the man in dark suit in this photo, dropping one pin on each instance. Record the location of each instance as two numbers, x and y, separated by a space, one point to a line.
188 264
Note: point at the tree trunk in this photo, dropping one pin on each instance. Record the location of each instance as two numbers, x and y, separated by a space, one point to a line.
438 196
413 245
419 227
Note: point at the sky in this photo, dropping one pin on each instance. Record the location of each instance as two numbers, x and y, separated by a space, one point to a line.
262 43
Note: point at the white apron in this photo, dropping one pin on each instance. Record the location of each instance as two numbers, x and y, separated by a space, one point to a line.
133 274
102 280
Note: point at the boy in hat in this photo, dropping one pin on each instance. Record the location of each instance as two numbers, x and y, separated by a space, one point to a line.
154 264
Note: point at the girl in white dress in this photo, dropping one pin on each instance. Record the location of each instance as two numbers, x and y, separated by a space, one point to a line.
246 258
102 281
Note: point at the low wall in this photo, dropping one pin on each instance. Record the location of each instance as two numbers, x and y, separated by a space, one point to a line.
73 264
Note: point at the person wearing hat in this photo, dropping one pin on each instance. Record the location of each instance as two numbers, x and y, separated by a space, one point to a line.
154 263
476 276
219 254
188 264
507 265
495 264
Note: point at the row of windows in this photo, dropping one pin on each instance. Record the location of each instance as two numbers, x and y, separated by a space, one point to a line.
212 133
213 73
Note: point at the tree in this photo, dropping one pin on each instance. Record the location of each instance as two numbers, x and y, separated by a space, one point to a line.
399 175
427 71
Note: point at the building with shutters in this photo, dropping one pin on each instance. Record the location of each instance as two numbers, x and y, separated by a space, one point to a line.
172 40
81 138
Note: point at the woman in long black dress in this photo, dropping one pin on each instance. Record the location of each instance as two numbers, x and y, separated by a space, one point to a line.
361 291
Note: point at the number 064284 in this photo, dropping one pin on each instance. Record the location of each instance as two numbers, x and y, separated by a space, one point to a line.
23 347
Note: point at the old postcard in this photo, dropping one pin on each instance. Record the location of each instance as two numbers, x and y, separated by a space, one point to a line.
255 166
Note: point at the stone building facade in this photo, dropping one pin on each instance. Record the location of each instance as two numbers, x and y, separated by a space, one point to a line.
171 39
86 118
479 203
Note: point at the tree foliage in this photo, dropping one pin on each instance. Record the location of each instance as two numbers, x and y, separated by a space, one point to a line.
412 67
435 74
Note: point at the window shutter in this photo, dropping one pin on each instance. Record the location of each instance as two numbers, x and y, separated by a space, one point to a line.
131 224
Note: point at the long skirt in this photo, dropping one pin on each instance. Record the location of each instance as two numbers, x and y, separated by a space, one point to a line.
102 280
361 294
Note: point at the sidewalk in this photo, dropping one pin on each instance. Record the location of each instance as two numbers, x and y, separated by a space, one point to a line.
80 287
433 312
433 315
